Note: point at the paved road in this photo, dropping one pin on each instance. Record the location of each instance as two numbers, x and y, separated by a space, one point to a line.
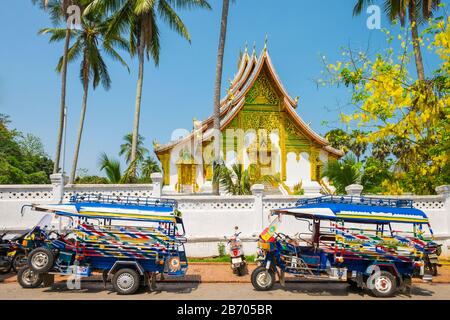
169 291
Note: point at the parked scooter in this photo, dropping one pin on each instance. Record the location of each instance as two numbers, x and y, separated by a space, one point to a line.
238 262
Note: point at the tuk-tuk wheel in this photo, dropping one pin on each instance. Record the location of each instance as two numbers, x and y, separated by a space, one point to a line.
41 259
383 284
27 278
263 279
126 281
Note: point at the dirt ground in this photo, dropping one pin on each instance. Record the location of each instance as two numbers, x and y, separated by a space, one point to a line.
222 273
301 290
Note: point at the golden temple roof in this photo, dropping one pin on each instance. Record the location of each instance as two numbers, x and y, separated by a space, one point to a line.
249 69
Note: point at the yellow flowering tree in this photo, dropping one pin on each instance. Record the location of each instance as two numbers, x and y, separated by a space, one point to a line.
391 105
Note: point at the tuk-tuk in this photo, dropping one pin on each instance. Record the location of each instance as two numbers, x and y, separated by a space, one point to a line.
373 243
128 239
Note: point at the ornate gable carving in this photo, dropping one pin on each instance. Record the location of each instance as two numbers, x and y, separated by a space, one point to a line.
262 91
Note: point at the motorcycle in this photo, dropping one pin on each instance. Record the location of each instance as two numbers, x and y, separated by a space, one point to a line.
12 254
238 262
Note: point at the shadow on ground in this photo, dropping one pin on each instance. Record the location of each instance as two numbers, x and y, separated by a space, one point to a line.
96 286
323 289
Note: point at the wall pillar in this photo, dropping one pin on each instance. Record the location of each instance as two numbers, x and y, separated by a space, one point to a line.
157 179
354 189
258 193
444 191
58 181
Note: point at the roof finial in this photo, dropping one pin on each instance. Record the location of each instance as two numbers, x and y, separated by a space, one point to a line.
246 47
254 48
265 42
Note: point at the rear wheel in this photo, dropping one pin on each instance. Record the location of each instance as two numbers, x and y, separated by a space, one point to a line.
126 281
241 270
41 259
19 261
263 279
27 278
382 284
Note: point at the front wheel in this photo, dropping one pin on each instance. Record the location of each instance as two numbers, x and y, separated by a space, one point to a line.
27 278
263 279
126 281
382 284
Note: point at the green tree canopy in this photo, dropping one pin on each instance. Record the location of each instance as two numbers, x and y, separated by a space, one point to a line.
22 157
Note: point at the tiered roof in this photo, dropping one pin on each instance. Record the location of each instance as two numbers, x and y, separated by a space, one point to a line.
249 69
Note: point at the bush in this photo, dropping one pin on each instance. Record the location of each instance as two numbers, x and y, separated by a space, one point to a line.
221 249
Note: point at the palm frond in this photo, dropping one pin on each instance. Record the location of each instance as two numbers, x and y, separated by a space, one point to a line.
172 19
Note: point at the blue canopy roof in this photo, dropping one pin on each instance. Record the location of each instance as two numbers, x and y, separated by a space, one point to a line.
357 209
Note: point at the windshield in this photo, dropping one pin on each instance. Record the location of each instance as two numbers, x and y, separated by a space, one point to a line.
45 222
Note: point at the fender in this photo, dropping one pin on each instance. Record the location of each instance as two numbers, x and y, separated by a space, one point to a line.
384 266
119 263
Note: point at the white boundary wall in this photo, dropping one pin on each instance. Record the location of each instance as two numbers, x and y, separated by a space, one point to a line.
207 219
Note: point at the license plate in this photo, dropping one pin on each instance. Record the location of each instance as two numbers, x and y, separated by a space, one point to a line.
11 254
236 260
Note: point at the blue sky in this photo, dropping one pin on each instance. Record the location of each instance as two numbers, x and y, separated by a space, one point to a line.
181 88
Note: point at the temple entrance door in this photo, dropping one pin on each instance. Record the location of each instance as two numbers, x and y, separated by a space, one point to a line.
187 173
260 155
186 178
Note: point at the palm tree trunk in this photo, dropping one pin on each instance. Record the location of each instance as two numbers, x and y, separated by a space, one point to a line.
218 84
80 133
416 40
137 110
62 103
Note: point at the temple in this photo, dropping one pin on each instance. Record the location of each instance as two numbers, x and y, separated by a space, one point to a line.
260 127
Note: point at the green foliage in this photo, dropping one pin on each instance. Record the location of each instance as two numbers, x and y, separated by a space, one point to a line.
221 249
142 20
125 148
375 172
341 140
344 172
22 157
111 167
221 259
91 180
338 139
148 166
236 180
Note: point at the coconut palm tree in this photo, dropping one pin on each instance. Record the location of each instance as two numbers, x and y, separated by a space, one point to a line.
111 167
93 68
58 13
149 166
418 11
125 148
343 173
236 180
141 20
218 86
